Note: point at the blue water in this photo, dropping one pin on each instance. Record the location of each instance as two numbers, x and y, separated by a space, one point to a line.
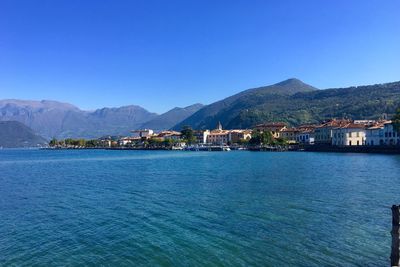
160 208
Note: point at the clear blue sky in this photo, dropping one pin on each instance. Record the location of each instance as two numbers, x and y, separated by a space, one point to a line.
162 54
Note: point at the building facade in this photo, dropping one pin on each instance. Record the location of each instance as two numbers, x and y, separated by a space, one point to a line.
323 133
236 136
289 134
274 127
218 137
391 135
349 135
305 137
201 136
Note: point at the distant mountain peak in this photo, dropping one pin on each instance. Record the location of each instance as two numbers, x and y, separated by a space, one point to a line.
291 81
294 85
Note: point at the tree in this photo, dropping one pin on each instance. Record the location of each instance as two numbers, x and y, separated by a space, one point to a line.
168 142
261 138
81 142
396 120
267 138
243 141
188 134
69 141
92 143
53 142
155 142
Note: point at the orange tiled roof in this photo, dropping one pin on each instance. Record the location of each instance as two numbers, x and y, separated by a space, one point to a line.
352 126
290 130
272 124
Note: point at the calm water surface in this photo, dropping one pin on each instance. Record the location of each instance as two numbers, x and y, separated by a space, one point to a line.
158 208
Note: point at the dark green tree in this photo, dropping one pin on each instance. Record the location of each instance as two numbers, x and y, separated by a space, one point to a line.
53 142
168 142
396 120
188 134
261 138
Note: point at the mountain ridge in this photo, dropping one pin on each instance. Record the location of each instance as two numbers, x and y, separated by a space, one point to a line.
63 120
170 118
57 119
297 103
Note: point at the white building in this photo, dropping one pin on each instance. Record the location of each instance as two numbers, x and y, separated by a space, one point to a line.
324 133
173 135
391 135
305 137
144 133
201 136
382 134
375 135
350 134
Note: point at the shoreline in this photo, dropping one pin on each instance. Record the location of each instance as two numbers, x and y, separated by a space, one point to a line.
310 148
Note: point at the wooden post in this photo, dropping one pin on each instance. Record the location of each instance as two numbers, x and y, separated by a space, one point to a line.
394 257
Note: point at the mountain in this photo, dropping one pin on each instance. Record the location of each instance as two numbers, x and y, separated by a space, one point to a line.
113 121
295 102
15 134
227 109
170 118
290 101
55 119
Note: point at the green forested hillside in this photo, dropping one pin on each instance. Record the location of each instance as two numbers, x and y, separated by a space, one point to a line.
297 106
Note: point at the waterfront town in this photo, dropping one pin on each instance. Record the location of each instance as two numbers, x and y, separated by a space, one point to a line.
334 133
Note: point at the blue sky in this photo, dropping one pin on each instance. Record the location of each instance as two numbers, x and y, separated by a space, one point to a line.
162 54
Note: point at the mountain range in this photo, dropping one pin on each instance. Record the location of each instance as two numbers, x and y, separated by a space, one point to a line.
61 120
291 101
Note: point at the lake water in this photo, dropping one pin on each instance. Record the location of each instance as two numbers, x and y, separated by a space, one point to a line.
174 208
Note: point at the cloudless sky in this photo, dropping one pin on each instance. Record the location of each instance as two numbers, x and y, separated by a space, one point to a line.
167 53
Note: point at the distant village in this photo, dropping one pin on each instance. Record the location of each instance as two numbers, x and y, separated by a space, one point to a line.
272 135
